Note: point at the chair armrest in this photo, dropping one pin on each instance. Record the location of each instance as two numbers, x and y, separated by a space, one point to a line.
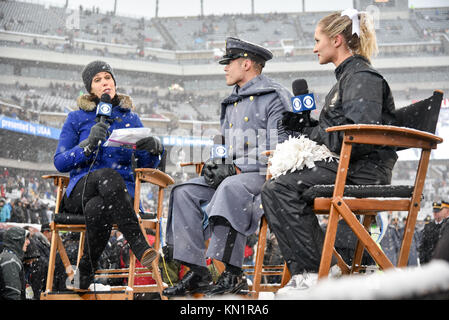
198 166
58 179
387 135
267 153
154 176
185 164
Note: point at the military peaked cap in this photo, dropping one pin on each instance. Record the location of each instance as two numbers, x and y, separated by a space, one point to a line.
237 48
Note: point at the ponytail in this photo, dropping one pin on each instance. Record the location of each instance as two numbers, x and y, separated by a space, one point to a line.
365 44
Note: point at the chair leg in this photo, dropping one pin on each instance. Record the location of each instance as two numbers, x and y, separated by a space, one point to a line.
286 276
158 278
52 261
81 247
374 250
328 245
65 259
360 247
261 243
132 269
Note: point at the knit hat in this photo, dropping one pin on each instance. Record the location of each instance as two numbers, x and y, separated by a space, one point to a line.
92 69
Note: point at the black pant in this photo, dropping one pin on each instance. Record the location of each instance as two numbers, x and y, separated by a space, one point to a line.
106 202
292 219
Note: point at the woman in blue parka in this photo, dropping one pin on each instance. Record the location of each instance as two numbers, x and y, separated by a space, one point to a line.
101 183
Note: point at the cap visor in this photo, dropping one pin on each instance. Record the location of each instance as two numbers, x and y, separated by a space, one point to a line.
224 61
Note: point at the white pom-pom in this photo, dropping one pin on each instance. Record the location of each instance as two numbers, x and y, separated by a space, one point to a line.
297 153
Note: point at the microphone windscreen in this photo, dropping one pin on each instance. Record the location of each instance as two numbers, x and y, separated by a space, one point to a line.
105 98
299 87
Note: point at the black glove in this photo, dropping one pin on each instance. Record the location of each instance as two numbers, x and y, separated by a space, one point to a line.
297 121
98 133
215 171
151 144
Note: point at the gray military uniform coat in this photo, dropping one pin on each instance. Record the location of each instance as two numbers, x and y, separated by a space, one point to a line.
250 119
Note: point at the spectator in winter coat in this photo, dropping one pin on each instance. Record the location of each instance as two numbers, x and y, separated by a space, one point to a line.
5 210
361 95
18 212
12 281
442 248
431 231
101 183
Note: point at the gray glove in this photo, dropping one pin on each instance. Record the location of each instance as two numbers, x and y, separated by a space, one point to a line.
98 133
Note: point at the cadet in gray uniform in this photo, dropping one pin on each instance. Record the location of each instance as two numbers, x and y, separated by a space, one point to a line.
223 204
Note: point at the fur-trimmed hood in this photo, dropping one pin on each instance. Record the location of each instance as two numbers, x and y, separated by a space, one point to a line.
86 102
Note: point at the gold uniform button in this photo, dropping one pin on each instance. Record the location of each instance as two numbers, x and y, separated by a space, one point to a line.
230 125
235 104
246 119
251 98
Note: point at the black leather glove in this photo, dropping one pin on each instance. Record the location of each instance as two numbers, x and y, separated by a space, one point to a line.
297 121
215 171
151 144
98 133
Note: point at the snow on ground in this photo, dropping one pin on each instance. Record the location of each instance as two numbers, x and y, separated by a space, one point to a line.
398 283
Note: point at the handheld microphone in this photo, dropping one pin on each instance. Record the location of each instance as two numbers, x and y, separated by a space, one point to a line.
104 108
302 100
219 150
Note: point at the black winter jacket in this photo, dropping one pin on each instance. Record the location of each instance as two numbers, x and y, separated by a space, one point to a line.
361 95
12 281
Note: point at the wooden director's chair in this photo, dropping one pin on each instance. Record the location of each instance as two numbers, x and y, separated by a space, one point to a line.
416 125
75 223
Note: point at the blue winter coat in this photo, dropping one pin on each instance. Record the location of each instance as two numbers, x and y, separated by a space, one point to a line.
69 157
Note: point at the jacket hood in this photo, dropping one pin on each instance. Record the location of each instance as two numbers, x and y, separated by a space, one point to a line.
13 239
87 102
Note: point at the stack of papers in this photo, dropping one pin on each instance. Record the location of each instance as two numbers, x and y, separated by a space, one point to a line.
127 136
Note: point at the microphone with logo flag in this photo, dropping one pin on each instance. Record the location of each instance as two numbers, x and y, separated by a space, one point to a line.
104 108
303 103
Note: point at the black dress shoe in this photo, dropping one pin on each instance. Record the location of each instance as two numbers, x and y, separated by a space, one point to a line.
229 283
191 283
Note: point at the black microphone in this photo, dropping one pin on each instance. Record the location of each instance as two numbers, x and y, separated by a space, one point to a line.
219 150
104 108
303 101
299 87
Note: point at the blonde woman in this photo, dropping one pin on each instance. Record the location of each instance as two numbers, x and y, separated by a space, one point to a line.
361 95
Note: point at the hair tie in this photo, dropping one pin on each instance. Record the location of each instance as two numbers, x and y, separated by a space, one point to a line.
353 14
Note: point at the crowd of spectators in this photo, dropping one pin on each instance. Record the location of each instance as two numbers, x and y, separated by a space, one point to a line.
24 102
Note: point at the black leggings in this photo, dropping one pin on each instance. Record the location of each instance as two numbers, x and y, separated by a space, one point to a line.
106 202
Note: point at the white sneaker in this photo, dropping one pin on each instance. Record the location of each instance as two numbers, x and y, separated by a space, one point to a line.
301 281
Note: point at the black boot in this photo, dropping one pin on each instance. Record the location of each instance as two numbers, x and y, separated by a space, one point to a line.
229 283
191 283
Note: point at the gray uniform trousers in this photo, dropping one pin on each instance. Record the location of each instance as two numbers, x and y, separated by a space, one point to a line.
235 202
